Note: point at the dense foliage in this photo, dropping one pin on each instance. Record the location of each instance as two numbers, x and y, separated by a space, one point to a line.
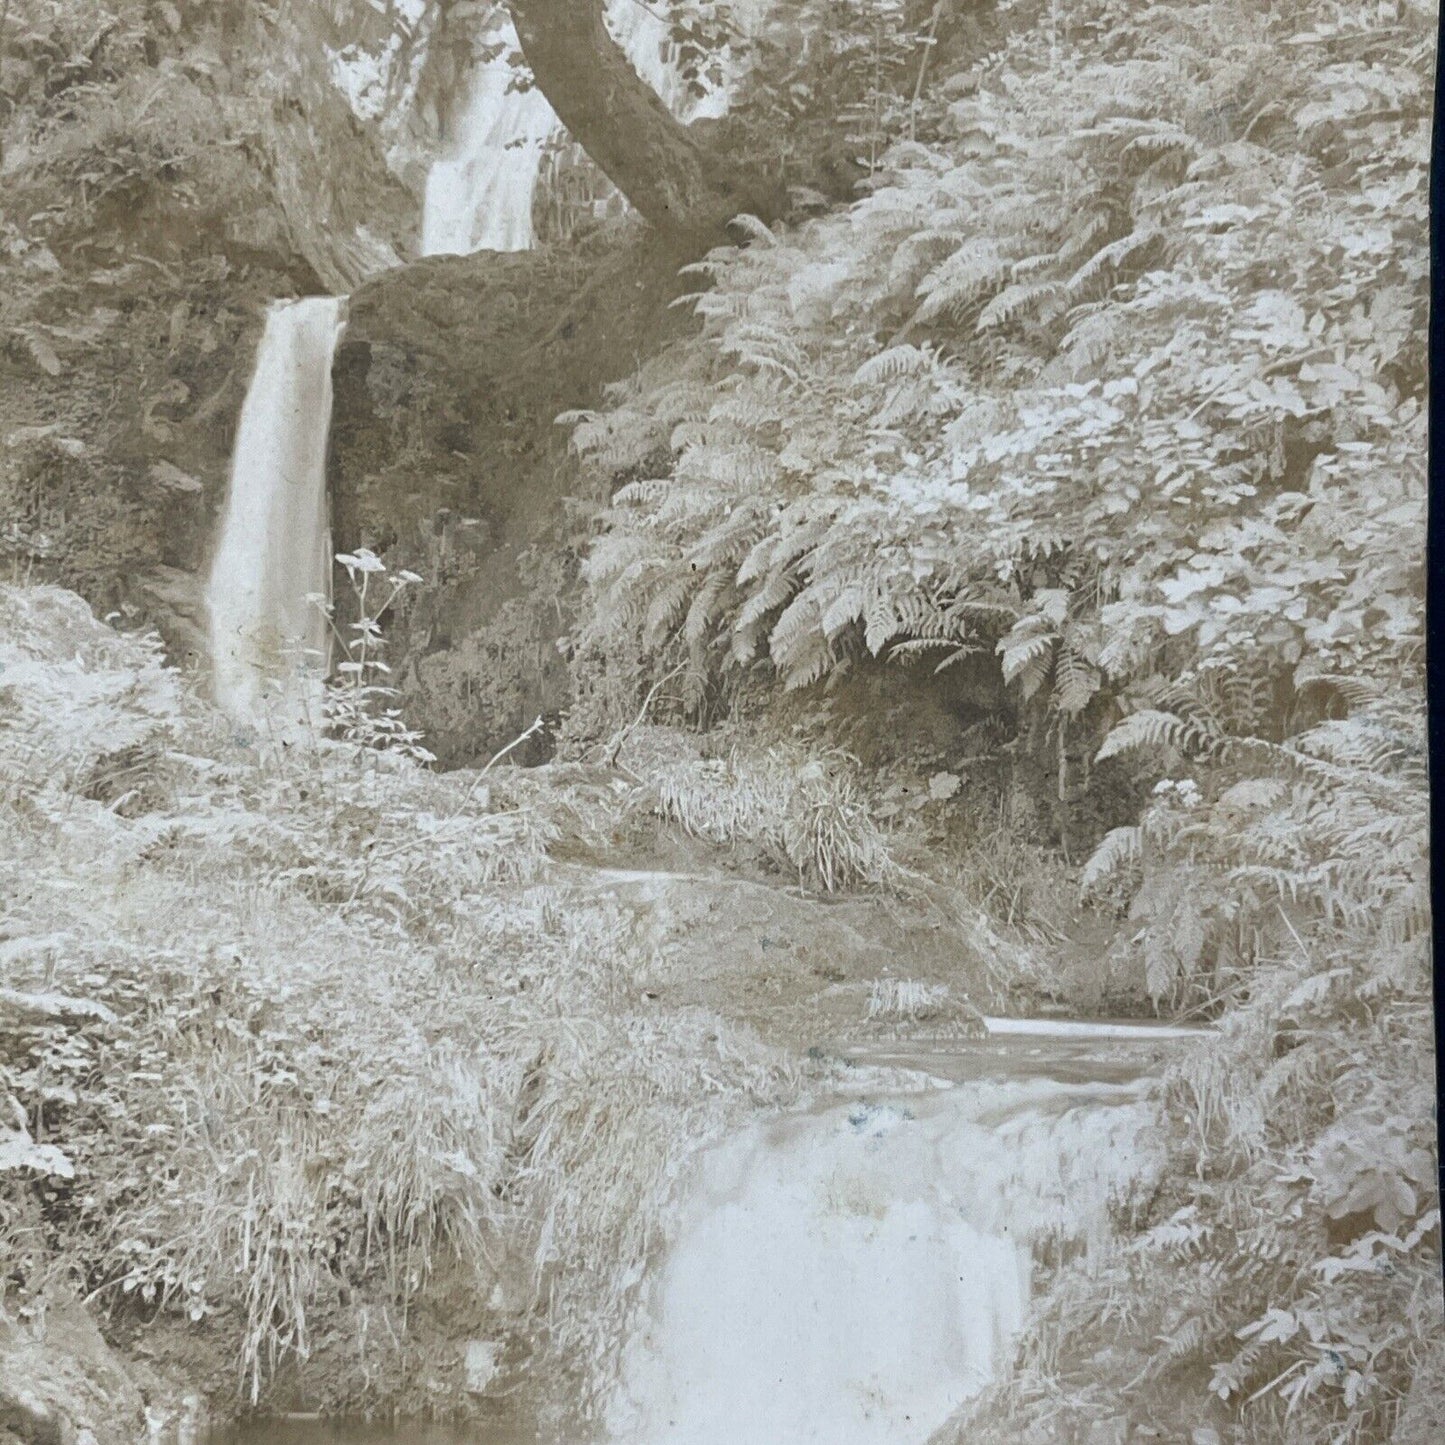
1120 380
176 127
294 1039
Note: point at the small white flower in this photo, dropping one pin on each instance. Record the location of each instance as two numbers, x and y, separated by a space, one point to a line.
364 560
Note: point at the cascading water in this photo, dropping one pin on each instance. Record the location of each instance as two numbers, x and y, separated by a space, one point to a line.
268 641
479 195
854 1276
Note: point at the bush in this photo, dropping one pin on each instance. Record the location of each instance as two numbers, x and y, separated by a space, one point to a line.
298 1043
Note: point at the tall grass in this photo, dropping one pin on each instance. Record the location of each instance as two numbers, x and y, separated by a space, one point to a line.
809 811
337 1044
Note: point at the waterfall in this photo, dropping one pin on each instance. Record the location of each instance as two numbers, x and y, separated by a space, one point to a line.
855 1276
479 194
268 642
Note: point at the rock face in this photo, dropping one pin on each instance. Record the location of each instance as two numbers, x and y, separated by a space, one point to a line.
446 456
115 425
61 1385
200 164
802 971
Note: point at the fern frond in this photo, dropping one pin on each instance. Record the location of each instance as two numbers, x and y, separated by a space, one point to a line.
1084 235
774 592
918 647
1147 148
665 609
754 228
1031 666
705 609
1076 681
1151 728
642 493
1354 692
742 467
1105 264
962 281
895 362
798 648
1023 651
1119 851
1018 300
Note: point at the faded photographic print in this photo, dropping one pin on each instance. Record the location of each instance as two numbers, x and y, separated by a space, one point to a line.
712 723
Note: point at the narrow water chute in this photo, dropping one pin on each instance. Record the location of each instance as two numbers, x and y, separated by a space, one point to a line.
268 637
479 194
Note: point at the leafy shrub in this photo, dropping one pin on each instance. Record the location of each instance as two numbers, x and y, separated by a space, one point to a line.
810 812
302 1041
95 721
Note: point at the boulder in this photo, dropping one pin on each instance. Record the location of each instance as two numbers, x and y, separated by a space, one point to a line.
446 457
60 1384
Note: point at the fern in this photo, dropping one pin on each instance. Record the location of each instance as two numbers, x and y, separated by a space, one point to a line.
1118 853
890 365
1151 729
1077 681
1019 300
952 288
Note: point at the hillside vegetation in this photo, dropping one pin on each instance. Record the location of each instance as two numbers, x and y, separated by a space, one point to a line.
1035 543
1119 378
309 1046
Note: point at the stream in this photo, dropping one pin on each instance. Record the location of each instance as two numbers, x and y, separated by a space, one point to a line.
848 1274
853 1272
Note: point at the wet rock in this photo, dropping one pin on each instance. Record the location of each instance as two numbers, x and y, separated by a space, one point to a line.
175 600
481 1360
446 456
60 1384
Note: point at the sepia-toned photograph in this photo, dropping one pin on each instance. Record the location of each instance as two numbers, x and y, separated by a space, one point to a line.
713 723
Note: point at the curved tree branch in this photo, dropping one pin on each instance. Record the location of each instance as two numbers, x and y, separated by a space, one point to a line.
660 165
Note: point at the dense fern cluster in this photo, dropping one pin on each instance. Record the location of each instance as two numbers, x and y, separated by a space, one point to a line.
1120 379
1129 368
1289 1278
809 811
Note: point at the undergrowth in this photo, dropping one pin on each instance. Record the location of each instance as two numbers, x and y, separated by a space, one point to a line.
811 811
288 1044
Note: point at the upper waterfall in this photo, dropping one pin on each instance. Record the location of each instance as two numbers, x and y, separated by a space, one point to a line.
268 639
479 193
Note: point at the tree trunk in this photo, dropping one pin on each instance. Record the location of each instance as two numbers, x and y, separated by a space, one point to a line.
658 163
